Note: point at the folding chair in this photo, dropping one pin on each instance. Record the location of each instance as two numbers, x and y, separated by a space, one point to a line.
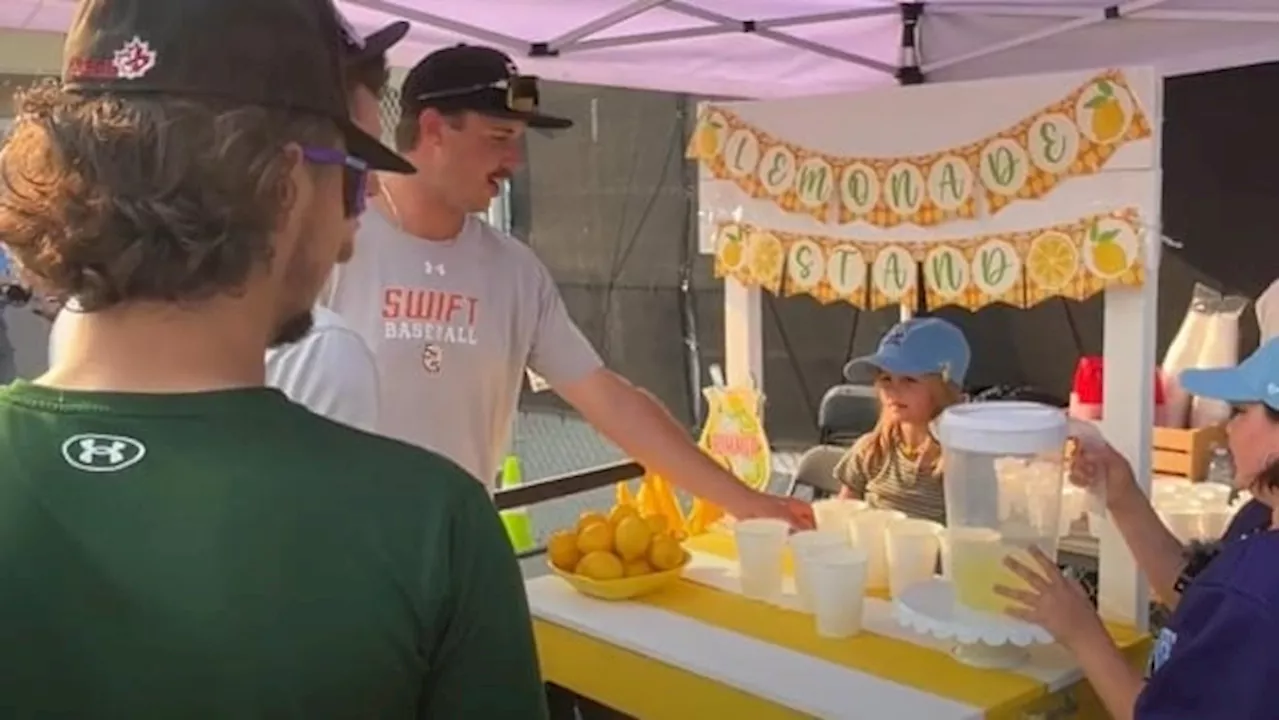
847 412
816 473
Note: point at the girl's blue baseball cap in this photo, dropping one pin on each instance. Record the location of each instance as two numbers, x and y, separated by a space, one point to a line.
1256 380
919 346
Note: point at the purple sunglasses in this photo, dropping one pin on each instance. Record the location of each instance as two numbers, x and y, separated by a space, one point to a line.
355 176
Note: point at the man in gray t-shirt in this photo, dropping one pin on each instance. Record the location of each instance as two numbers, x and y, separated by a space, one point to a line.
454 310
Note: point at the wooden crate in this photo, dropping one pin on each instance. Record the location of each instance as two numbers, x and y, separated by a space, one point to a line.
1184 453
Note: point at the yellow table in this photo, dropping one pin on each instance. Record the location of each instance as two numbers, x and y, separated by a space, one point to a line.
695 651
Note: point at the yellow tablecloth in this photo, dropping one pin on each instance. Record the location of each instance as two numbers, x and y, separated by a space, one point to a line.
648 688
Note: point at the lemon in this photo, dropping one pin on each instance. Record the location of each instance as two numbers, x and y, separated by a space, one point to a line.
595 537
636 568
619 513
665 553
562 550
658 524
588 518
599 565
631 538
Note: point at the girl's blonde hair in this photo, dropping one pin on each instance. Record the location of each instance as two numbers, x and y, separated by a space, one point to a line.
875 448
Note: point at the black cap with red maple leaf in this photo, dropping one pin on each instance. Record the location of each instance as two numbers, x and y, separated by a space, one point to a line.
285 54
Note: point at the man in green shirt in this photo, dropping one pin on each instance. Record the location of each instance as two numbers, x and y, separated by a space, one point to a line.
177 541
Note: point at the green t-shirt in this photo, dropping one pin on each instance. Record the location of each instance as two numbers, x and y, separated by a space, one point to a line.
231 555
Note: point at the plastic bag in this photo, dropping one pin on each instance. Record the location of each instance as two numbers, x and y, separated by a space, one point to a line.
1184 352
1220 348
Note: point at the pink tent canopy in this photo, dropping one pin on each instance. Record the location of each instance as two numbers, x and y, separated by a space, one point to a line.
773 48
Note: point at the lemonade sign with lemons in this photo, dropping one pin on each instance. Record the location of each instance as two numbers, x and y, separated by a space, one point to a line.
734 433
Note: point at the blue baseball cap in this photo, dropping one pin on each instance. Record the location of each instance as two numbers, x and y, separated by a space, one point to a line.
919 346
1256 380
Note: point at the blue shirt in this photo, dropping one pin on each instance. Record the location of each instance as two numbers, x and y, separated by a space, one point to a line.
1216 659
1249 519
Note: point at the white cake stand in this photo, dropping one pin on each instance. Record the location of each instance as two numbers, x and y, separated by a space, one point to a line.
981 639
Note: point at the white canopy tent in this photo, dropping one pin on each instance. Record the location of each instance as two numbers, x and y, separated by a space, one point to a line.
778 48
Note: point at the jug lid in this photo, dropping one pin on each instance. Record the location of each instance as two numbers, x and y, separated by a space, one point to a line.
1003 428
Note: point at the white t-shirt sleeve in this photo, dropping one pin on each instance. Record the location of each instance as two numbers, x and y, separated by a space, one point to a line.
1268 311
560 353
333 373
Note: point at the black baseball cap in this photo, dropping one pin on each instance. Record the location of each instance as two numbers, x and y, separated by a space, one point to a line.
282 54
480 79
375 44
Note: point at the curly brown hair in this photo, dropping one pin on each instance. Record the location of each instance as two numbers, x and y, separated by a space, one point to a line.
111 199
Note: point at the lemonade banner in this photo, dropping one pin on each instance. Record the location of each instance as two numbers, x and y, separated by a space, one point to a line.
1074 136
1073 260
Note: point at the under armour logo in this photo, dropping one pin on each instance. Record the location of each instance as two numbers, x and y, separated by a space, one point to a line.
1273 389
91 452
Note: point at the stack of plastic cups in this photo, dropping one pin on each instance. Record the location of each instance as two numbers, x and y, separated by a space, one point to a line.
866 531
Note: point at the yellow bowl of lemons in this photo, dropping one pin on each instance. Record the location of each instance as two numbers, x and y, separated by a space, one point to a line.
618 556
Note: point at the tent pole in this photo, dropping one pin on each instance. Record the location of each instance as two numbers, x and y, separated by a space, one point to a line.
909 73
474 32
1114 12
622 14
752 26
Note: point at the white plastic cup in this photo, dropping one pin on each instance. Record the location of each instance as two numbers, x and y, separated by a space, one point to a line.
838 579
1214 522
911 549
1184 521
804 545
833 514
761 543
866 531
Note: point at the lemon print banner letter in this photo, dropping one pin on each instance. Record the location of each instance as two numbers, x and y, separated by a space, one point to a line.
1076 135
893 276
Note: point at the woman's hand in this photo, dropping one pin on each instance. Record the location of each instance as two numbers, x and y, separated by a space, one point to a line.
1054 601
1101 469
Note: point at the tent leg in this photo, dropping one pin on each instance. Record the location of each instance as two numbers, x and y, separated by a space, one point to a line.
743 335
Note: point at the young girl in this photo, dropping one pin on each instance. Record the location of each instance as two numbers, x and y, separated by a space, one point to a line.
918 371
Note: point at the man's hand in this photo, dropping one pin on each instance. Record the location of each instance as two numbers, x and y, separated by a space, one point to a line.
762 505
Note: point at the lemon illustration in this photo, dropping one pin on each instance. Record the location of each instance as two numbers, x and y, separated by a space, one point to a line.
708 140
1052 261
766 257
665 553
1109 257
562 550
731 248
636 568
595 537
1109 118
600 566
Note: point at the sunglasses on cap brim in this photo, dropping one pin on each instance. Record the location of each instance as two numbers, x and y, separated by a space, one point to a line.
355 177
521 92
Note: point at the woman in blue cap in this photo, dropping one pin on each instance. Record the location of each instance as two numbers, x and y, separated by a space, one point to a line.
918 371
1217 656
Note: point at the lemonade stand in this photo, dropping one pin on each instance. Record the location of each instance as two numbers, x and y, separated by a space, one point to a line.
1011 191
